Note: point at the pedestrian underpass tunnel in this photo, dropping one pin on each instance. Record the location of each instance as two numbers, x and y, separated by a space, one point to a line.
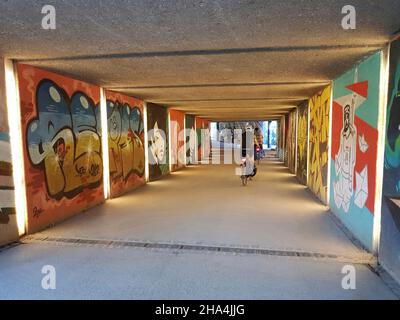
121 126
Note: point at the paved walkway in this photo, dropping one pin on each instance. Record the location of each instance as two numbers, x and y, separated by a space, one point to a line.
193 235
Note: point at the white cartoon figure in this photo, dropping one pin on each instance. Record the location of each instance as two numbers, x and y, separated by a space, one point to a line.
345 160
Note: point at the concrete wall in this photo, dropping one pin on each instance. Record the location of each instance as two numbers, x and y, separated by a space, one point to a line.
177 127
157 126
354 147
62 146
389 253
8 218
302 143
319 143
125 143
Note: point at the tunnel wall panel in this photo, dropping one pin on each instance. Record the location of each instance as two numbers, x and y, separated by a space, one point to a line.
199 125
206 136
354 147
191 147
177 126
202 135
125 143
389 253
302 143
157 126
61 127
291 142
8 218
319 143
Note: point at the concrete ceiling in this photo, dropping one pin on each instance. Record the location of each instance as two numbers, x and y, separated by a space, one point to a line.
219 59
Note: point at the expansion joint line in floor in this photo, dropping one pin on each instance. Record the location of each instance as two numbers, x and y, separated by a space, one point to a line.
359 258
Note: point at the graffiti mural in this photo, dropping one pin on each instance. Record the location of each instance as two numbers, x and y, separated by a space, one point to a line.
157 124
63 140
390 234
302 143
177 123
318 143
125 143
63 167
8 219
190 139
291 142
354 147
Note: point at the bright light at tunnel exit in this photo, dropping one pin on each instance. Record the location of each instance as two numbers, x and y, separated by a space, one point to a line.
104 140
14 122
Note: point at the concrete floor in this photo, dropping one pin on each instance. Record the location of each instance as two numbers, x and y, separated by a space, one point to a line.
204 205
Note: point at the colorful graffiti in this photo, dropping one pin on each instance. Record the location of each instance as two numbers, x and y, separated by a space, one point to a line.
354 147
64 169
190 139
318 143
125 143
291 142
63 140
177 126
302 143
157 123
390 235
392 145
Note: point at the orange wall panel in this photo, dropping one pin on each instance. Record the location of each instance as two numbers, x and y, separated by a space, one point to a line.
177 123
125 143
61 130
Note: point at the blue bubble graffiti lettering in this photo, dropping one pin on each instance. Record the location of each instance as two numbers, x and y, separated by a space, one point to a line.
64 141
